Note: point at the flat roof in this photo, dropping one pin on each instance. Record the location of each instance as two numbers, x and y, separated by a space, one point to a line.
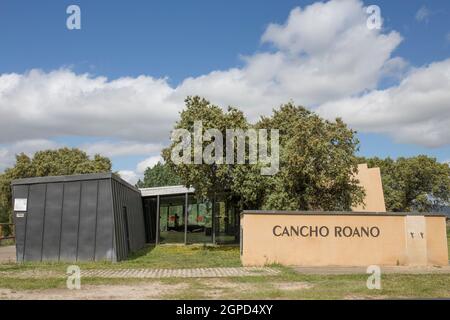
165 191
73 178
341 213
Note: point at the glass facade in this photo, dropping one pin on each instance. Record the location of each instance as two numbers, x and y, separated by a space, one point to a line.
184 219
199 228
171 220
226 222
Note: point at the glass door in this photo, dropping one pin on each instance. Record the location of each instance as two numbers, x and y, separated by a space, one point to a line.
171 220
199 229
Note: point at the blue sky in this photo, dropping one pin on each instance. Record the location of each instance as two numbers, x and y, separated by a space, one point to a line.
177 40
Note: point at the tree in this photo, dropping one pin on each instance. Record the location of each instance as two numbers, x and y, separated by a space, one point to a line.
63 161
159 175
317 160
317 164
418 183
208 180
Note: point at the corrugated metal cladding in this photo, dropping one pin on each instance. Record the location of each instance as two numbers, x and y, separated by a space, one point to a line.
78 218
129 219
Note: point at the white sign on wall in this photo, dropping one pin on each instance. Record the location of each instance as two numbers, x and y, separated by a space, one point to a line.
20 204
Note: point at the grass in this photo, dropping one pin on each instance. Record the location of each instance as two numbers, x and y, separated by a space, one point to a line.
288 284
324 287
7 242
162 256
170 256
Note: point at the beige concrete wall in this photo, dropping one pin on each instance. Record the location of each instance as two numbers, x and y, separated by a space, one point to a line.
370 180
391 247
437 250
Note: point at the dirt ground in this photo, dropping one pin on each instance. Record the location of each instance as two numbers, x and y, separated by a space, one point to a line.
217 289
145 291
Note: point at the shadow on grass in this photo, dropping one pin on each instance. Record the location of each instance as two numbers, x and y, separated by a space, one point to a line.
140 253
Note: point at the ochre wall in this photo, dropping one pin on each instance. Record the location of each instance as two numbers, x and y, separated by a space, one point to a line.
393 246
370 180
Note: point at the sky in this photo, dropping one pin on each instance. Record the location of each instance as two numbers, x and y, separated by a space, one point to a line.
116 85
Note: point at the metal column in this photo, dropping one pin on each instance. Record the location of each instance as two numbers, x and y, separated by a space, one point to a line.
214 219
157 220
185 217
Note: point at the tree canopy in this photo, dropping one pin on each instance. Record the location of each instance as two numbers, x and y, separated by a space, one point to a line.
159 175
418 183
316 166
63 161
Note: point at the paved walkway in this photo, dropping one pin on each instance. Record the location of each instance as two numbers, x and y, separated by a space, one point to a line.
150 273
181 273
362 270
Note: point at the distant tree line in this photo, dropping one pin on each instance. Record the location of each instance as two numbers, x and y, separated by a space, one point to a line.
158 176
58 162
418 183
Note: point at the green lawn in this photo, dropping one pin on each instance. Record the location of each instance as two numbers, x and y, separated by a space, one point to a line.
162 256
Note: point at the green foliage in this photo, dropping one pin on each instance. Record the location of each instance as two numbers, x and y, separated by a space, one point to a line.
317 160
413 184
159 175
59 162
207 179
317 164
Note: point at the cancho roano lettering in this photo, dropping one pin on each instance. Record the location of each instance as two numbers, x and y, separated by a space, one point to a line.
324 231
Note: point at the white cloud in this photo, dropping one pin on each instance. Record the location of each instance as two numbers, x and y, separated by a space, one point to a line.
323 61
148 163
120 148
323 53
29 147
423 14
132 176
129 176
62 103
417 110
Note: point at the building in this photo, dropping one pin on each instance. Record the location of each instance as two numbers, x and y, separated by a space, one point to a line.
370 180
82 217
343 239
102 217
183 219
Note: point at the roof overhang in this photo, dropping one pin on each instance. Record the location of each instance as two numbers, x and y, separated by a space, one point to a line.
165 191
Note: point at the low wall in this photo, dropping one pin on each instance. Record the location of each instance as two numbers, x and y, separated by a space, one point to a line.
342 239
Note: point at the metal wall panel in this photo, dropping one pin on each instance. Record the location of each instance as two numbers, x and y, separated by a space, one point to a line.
20 192
80 218
137 221
70 221
150 219
35 222
88 217
104 248
52 224
128 200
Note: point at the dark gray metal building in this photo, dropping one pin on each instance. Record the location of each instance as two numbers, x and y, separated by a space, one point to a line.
90 217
